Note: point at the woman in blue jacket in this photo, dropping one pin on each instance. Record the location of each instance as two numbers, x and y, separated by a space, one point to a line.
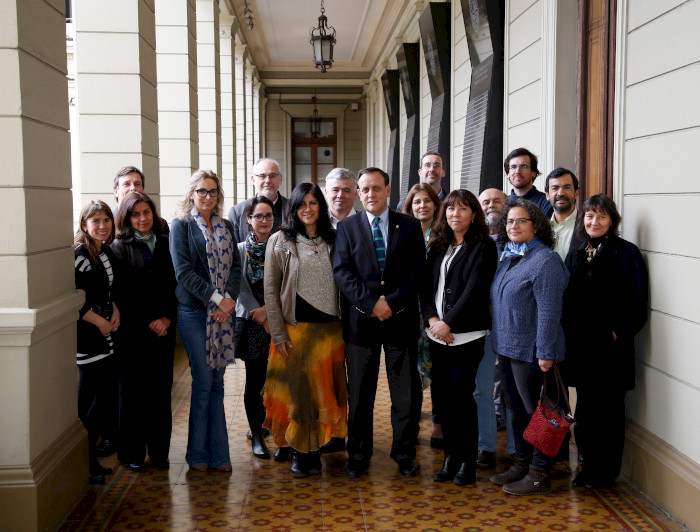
526 298
208 273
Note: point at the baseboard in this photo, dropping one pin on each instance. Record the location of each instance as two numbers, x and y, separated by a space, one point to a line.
666 476
38 496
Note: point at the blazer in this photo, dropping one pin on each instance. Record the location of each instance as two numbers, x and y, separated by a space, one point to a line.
246 300
188 250
240 224
467 285
361 283
609 294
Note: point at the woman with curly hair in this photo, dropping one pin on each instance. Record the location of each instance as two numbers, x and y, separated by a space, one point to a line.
526 298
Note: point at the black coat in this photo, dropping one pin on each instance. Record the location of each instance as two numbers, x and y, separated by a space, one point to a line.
148 286
609 294
467 286
92 278
361 283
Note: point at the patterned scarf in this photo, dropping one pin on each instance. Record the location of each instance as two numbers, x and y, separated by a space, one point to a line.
515 251
219 248
149 239
255 252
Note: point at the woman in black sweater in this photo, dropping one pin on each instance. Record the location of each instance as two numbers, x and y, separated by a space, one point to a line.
148 304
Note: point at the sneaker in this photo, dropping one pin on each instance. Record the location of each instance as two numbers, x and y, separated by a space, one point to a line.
516 472
485 460
536 482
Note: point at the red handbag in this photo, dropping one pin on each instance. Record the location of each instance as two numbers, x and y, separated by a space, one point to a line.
550 422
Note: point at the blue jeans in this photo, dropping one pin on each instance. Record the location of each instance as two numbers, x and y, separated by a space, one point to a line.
207 441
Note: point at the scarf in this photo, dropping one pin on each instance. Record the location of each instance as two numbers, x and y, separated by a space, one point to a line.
516 251
255 253
219 248
149 239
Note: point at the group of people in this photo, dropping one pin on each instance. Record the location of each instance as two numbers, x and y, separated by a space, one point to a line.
458 292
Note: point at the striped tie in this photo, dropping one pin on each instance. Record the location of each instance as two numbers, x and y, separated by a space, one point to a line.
379 244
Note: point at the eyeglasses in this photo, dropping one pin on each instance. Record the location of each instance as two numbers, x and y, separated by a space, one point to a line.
202 192
265 176
437 166
514 167
260 217
518 221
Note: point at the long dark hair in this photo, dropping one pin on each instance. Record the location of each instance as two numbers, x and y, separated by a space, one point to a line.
594 203
444 235
292 226
124 227
543 229
82 238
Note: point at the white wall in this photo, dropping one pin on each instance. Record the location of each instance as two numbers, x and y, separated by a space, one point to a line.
461 83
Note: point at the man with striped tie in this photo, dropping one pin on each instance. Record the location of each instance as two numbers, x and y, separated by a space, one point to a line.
377 258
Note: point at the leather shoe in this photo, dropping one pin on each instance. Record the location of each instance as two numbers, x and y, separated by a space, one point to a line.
106 448
485 460
201 467
283 454
466 475
96 479
334 445
408 468
137 467
313 463
437 443
260 450
161 464
447 471
224 468
298 468
355 468
249 434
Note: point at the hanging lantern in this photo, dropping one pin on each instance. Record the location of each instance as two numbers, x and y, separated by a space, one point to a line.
315 121
322 42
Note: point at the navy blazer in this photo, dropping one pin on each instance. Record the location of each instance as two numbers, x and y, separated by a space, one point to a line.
188 250
361 283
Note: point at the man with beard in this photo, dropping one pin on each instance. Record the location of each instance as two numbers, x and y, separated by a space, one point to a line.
267 178
492 201
521 168
562 192
432 170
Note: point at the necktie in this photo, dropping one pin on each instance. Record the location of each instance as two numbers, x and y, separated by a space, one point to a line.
379 245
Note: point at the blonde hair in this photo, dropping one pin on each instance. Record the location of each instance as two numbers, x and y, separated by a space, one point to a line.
185 206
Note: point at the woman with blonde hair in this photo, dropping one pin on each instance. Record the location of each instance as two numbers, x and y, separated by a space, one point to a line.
208 273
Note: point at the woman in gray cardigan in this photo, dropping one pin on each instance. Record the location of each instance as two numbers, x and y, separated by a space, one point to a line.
526 299
251 332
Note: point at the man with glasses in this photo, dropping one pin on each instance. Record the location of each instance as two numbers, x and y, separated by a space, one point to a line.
562 192
267 179
432 170
521 168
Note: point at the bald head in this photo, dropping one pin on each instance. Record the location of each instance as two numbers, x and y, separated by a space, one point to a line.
493 201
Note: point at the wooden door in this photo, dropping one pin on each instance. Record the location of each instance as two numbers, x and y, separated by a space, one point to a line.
596 96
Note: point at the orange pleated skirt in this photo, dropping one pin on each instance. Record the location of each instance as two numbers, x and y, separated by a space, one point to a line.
306 395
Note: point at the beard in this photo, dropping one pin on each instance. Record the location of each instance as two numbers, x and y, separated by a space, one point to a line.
492 222
562 208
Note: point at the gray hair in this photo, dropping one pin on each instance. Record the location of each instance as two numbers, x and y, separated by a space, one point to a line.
338 174
268 160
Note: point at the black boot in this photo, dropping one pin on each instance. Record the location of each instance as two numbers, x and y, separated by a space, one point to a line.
466 474
447 471
313 463
298 468
260 450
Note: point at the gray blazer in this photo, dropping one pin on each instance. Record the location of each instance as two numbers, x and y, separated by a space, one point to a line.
246 300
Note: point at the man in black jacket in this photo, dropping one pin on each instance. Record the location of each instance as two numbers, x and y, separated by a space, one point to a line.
128 179
267 178
561 188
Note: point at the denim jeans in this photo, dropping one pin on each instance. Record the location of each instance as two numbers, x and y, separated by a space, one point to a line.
207 441
483 395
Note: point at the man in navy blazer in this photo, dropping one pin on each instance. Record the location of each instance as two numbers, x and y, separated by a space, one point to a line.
380 309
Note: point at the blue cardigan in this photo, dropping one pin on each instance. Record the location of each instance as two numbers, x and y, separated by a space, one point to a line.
527 304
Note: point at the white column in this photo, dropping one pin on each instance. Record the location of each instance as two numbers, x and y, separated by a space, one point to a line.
176 32
258 94
249 125
117 96
209 87
227 36
43 447
242 174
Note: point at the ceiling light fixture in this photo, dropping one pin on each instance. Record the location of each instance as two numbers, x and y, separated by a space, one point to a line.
248 15
315 120
322 42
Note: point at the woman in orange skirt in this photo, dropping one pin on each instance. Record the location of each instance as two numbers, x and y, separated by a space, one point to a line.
305 393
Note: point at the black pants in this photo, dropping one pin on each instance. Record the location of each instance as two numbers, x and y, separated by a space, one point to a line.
146 378
363 373
600 429
454 381
522 382
255 371
98 399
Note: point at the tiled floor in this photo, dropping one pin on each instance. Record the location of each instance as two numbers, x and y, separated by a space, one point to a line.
261 495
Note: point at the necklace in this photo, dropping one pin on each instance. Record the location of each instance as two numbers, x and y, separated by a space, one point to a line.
312 239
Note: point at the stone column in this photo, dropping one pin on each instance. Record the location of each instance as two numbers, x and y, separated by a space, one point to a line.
209 87
242 174
249 125
176 56
227 36
117 97
257 119
43 446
